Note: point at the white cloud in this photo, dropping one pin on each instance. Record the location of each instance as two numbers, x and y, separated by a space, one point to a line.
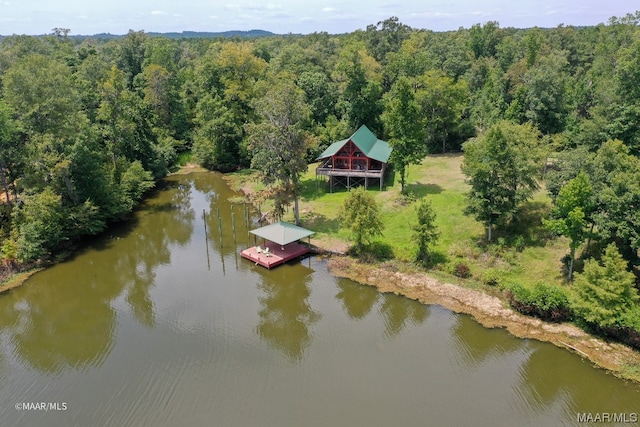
159 13
329 9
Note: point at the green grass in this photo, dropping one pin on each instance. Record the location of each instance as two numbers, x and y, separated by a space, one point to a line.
184 158
439 179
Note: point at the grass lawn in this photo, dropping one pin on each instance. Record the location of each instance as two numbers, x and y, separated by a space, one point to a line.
437 178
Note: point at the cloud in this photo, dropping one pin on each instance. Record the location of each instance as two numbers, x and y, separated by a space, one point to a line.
329 9
159 13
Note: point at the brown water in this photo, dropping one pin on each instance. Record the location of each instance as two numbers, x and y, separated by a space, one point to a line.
154 325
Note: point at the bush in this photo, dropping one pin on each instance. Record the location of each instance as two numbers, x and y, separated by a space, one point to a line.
462 270
491 277
373 252
544 301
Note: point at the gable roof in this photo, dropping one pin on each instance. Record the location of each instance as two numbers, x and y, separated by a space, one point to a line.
282 232
366 141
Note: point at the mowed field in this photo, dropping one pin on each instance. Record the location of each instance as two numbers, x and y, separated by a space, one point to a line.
525 253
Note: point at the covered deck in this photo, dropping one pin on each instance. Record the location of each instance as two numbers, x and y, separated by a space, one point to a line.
348 178
280 244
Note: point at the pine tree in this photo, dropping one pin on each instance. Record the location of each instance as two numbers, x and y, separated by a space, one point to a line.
605 292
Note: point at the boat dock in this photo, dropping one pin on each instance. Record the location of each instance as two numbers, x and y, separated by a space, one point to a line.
271 254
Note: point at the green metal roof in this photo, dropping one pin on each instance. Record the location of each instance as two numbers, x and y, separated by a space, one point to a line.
366 141
282 233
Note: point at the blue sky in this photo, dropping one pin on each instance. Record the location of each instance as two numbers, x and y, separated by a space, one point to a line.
294 16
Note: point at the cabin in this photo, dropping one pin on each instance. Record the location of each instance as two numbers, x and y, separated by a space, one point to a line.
355 161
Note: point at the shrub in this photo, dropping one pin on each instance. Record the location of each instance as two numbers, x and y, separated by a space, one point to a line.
519 243
544 301
462 270
491 277
373 252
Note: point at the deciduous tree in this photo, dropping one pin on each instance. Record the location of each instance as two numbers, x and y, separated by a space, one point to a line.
404 124
572 213
503 167
278 141
361 215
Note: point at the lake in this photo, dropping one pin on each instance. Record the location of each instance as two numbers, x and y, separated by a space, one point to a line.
158 323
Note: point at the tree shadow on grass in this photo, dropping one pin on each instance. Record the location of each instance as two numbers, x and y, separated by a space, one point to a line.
320 223
312 189
421 190
390 177
527 228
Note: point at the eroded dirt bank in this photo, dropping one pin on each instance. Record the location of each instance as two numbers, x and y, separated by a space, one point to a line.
492 312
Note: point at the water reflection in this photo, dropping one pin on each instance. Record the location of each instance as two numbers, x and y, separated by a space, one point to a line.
397 311
357 300
286 315
64 317
550 375
226 221
52 326
170 221
478 344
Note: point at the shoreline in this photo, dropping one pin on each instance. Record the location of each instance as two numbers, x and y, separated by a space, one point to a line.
492 312
16 280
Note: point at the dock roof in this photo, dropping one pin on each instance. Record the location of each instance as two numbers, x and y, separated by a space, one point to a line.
282 232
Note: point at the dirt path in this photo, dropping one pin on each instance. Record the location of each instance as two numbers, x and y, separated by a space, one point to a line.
491 312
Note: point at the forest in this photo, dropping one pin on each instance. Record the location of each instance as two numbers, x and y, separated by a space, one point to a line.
89 125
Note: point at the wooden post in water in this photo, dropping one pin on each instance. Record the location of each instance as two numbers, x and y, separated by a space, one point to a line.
206 238
220 227
233 222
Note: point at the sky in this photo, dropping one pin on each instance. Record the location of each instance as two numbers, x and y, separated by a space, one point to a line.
35 17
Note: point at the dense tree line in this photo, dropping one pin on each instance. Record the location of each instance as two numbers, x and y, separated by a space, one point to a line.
88 125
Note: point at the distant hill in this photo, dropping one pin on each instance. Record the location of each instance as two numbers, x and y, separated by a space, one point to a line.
200 34
182 35
190 34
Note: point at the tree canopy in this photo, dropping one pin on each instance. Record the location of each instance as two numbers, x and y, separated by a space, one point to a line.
503 168
88 124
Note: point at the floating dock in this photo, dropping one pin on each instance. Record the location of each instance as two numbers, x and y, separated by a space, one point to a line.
276 254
